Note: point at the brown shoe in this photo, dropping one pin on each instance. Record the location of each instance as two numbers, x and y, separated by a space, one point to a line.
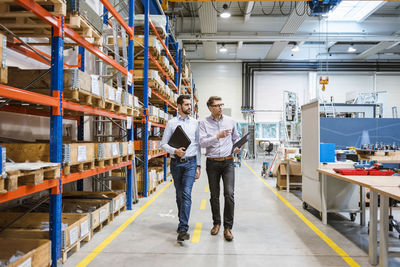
228 235
215 229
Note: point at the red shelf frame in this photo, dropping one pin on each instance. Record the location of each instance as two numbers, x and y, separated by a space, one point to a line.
65 179
35 112
90 110
157 155
162 71
166 101
156 124
26 96
25 190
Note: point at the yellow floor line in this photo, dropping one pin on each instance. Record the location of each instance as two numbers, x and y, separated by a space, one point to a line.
197 233
350 261
206 189
203 204
111 237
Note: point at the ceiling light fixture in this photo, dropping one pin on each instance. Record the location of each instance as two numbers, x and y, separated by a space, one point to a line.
354 10
223 49
351 49
225 14
295 48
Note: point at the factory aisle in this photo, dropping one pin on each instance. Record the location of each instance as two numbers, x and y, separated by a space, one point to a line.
266 232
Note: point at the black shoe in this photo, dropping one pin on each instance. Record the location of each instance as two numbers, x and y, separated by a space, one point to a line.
182 236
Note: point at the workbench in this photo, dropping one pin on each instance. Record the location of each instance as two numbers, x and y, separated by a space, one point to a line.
386 186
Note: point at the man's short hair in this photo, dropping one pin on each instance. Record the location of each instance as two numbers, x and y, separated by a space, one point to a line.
181 98
212 99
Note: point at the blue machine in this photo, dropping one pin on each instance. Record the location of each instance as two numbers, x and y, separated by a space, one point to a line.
319 7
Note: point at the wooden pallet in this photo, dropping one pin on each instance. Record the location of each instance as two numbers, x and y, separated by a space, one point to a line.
102 224
78 167
84 28
84 97
292 187
127 158
139 30
20 177
75 248
112 106
118 212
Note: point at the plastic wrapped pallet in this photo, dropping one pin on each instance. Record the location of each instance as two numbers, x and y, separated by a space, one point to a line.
159 21
3 55
3 161
136 102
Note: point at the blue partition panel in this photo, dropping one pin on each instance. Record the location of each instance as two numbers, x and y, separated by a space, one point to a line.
345 132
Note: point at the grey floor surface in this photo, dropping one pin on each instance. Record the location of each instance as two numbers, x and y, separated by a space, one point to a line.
266 232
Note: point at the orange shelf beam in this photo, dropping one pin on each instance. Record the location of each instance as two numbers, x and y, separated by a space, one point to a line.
157 155
44 15
162 71
29 97
95 111
117 16
164 99
65 179
163 44
25 190
35 112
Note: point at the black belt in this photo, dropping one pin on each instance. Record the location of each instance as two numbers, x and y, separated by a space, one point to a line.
184 159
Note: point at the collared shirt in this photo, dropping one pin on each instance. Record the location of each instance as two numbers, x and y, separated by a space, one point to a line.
218 148
191 128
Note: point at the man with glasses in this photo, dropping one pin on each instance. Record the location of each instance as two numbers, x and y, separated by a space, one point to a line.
185 164
218 134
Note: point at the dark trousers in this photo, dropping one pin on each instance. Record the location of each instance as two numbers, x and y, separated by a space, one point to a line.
226 170
184 175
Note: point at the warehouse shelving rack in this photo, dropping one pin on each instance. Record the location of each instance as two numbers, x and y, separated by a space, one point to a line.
57 106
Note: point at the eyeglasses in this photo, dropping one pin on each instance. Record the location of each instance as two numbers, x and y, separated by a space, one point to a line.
218 106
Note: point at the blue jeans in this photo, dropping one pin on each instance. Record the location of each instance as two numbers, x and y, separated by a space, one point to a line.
184 175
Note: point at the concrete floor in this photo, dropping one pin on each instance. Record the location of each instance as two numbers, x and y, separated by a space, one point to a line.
266 232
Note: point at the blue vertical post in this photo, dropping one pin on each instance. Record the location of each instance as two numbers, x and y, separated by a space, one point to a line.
165 105
145 133
79 183
129 178
56 85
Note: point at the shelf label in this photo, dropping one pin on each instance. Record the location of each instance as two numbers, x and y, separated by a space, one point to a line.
102 215
149 92
130 78
115 149
73 235
129 122
122 200
130 100
149 128
130 147
27 263
136 101
111 93
81 153
118 95
84 228
95 85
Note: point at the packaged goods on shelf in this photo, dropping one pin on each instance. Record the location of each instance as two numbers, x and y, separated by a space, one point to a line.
97 87
155 46
136 102
110 93
84 10
159 21
24 252
34 226
3 59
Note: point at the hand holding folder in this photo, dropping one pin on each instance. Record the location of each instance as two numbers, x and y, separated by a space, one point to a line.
179 139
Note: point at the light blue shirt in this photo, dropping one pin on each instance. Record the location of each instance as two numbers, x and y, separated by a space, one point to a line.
191 128
218 148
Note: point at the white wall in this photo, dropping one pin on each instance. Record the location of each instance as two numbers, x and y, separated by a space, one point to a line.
220 79
225 80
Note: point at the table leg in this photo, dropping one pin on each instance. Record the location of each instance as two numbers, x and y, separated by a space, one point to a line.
384 232
287 177
373 229
362 205
324 199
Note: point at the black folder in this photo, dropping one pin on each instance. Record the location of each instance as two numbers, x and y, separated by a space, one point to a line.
179 138
241 142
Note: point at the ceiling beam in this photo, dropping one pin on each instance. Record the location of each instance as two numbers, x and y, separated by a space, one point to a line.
276 50
375 49
210 50
273 36
247 11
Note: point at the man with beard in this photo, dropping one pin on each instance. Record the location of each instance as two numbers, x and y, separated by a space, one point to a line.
185 164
